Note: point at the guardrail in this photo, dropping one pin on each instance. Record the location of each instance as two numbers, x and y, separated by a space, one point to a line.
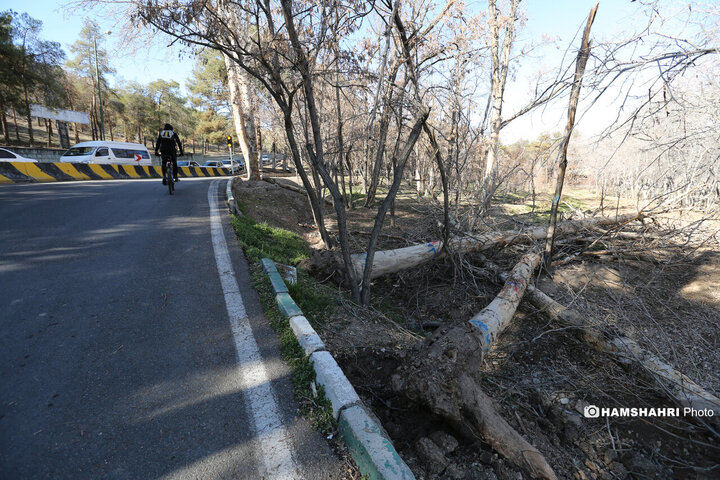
20 172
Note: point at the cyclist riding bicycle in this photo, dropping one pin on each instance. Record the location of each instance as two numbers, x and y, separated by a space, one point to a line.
166 141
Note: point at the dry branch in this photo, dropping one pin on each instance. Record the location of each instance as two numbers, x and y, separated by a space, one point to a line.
626 351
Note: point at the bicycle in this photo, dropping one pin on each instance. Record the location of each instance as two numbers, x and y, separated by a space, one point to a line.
169 178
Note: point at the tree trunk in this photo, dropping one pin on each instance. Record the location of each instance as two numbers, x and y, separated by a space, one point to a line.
317 154
500 62
49 133
29 118
15 123
313 197
381 142
444 374
3 118
382 137
350 177
428 131
402 161
493 319
392 261
243 116
562 166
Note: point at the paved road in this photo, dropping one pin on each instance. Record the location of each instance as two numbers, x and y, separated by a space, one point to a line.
118 358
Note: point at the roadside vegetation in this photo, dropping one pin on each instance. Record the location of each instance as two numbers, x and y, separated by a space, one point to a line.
285 247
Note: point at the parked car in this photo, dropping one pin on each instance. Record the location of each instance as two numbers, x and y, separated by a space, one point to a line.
213 164
108 152
188 163
10 156
237 165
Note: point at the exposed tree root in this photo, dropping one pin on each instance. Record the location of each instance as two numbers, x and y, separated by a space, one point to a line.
443 373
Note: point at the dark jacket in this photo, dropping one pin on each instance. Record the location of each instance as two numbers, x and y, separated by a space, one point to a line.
166 142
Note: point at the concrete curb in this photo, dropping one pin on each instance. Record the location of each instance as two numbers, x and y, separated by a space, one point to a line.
232 204
22 172
369 444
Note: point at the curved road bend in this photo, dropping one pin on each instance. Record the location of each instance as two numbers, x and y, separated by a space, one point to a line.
126 350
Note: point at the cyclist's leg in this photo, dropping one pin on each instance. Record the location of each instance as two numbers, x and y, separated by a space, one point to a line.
163 166
175 167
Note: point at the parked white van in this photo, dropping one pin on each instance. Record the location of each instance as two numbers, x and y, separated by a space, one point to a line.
108 152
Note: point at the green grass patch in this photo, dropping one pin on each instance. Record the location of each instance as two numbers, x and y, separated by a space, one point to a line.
357 196
316 408
313 298
261 240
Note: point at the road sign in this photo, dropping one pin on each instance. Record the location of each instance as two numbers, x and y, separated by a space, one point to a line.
138 157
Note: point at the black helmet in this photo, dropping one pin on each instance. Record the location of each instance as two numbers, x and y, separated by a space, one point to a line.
167 127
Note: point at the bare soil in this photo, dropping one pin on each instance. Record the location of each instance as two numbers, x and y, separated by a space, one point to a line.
657 282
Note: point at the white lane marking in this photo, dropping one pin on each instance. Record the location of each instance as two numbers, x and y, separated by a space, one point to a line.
255 380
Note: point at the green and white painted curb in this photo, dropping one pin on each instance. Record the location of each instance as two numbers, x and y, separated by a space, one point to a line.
368 443
371 449
232 204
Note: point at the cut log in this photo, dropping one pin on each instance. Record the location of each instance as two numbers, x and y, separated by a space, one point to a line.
493 319
444 374
626 351
391 261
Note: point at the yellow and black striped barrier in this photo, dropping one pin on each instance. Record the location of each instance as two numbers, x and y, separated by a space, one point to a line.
18 172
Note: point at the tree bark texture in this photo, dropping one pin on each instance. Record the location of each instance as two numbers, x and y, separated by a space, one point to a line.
243 116
562 166
392 261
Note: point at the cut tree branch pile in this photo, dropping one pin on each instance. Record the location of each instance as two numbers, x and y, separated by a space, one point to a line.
626 351
392 261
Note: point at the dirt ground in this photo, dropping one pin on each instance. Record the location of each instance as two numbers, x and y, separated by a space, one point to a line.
658 282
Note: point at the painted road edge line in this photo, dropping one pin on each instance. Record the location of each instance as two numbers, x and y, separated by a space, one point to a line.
369 444
258 394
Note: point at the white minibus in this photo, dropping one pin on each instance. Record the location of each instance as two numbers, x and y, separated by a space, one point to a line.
116 153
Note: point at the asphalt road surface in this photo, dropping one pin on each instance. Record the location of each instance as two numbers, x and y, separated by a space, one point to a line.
126 350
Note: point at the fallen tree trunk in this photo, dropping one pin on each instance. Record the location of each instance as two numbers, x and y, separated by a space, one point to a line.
292 188
391 261
444 373
493 319
626 351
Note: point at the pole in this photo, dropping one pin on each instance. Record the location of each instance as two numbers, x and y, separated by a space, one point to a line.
232 164
97 75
